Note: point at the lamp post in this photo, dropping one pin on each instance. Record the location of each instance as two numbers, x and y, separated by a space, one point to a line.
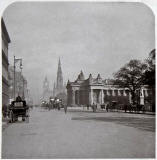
15 61
22 78
23 82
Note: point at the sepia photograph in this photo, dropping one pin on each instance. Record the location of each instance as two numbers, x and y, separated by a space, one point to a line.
78 80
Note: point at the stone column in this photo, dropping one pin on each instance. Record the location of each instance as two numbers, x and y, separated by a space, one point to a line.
124 93
113 93
102 96
119 94
130 100
146 93
99 98
90 96
78 97
142 93
107 91
73 97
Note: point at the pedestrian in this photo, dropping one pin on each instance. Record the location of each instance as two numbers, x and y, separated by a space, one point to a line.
4 110
94 107
107 106
65 109
18 99
87 106
125 107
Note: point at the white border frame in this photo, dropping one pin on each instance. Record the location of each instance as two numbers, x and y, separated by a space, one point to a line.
152 4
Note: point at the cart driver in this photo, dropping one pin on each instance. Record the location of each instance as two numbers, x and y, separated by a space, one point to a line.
18 98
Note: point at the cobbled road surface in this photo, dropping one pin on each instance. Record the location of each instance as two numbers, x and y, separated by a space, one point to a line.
80 134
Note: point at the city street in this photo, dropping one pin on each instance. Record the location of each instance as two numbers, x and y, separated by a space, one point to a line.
80 134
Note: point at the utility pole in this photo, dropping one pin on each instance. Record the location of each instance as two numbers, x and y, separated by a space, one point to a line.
21 67
23 88
16 60
14 78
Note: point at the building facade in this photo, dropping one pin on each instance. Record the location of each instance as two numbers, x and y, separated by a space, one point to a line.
98 91
5 64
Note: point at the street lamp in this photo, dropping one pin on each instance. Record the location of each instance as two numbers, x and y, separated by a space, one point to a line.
15 61
23 80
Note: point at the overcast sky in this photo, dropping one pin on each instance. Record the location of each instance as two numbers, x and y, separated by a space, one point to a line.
93 37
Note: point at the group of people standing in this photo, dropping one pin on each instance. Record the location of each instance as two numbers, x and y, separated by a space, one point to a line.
56 103
94 107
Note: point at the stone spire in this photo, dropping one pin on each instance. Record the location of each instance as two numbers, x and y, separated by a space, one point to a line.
82 76
90 78
99 79
59 85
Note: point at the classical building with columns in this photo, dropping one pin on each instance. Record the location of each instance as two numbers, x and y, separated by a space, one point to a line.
96 90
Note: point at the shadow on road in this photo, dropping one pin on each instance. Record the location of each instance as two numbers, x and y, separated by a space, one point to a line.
147 124
85 111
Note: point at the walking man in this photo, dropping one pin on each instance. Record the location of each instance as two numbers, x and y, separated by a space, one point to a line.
87 106
65 109
107 106
94 107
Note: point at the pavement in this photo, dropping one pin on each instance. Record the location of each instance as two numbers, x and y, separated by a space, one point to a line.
80 134
5 123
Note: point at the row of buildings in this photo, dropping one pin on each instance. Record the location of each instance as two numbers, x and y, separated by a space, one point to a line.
98 91
21 85
5 63
8 83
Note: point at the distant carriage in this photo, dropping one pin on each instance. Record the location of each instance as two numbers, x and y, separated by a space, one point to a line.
57 103
43 104
51 103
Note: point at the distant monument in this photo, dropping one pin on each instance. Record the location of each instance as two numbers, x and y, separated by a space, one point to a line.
59 89
46 90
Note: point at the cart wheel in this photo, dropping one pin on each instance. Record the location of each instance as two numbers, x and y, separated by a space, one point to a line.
23 118
15 118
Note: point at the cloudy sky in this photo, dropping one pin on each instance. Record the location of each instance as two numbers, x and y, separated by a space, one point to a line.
93 37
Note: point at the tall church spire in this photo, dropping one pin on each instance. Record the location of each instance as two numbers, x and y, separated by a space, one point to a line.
59 85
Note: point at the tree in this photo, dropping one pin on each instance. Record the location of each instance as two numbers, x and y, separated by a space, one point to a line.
130 77
149 76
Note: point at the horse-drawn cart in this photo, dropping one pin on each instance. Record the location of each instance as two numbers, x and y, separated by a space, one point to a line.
18 109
